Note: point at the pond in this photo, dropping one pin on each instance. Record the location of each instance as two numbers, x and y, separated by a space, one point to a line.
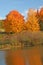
2 58
4 54
29 56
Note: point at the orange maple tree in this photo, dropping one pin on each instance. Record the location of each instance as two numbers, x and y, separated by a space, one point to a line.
14 22
41 14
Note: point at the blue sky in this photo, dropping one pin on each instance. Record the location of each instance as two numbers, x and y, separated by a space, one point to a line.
21 5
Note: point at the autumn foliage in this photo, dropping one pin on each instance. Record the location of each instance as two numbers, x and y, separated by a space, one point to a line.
32 21
14 22
40 18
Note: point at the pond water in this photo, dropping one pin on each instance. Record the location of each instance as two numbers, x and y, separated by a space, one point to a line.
20 57
4 54
2 58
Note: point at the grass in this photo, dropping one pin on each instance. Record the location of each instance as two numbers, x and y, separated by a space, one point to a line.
23 39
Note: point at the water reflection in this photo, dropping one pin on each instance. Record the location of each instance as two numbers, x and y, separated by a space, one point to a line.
23 57
15 58
2 58
20 57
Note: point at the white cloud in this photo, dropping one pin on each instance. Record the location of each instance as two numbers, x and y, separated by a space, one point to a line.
22 14
40 6
25 13
1 18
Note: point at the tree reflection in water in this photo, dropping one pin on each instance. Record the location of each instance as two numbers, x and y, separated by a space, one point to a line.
15 58
23 57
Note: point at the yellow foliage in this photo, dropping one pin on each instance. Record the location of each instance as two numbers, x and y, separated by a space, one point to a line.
32 22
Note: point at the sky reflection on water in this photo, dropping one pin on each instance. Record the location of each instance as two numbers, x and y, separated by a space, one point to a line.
2 58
